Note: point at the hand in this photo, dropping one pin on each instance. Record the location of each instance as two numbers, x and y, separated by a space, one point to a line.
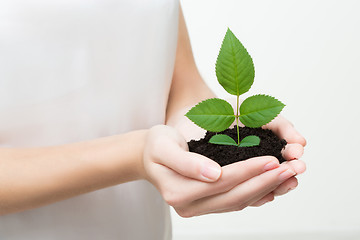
195 185
283 129
292 152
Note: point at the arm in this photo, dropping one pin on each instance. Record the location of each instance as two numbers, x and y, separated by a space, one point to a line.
34 177
188 87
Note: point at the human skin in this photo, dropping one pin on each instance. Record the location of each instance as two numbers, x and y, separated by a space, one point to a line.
191 183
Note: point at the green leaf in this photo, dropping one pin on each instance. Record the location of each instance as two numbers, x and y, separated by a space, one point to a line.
214 115
234 66
222 139
259 110
250 141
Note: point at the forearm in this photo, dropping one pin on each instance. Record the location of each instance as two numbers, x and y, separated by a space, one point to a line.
33 177
181 101
188 87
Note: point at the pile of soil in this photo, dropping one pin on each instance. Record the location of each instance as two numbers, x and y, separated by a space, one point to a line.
270 144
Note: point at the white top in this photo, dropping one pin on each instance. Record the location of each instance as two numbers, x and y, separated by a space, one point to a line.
72 70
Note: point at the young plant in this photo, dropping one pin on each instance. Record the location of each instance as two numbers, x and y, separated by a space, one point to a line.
235 73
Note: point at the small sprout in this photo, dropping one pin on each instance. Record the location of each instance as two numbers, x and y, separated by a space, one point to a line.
222 139
250 141
235 73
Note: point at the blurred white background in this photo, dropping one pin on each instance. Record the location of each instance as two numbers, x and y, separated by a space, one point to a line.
307 54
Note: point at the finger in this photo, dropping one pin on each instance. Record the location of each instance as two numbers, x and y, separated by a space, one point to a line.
257 203
239 196
286 186
297 166
293 151
264 196
170 149
190 164
239 172
268 198
285 130
179 190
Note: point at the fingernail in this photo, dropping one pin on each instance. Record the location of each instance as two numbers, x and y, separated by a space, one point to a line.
286 174
211 171
270 166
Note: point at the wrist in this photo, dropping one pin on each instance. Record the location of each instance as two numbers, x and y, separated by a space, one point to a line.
118 158
130 155
138 141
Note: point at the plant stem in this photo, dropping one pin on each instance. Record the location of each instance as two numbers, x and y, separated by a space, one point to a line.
237 119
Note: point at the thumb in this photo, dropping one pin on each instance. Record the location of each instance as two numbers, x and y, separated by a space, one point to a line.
190 164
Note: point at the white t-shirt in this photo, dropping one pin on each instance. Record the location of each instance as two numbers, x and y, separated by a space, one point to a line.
73 70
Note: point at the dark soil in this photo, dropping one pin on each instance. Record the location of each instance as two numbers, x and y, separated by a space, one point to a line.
270 144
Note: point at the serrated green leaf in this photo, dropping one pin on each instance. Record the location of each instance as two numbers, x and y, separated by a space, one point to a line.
222 139
250 141
214 115
234 66
259 110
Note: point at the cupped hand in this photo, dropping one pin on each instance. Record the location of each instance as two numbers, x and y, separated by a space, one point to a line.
292 152
195 185
284 130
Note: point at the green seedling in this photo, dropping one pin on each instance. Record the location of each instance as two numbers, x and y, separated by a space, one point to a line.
235 73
